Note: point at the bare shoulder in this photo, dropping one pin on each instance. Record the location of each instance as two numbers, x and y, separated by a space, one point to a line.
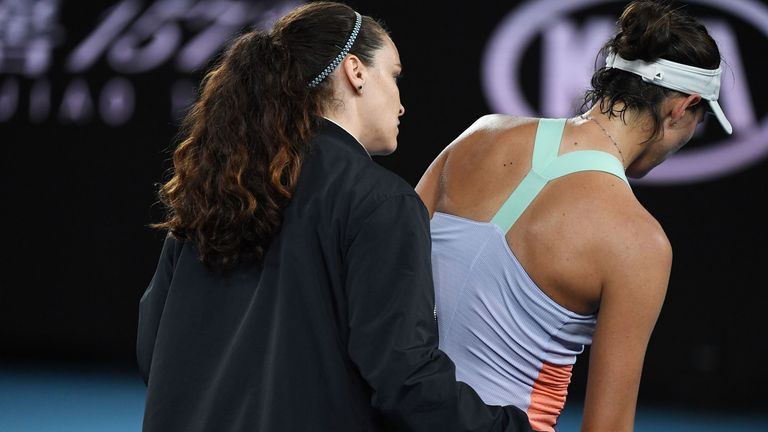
632 241
479 141
477 170
501 122
490 139
643 231
609 217
490 128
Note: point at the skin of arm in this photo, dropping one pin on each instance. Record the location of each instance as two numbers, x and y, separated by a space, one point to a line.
637 263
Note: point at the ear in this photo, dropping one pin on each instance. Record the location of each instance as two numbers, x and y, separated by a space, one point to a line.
353 73
681 105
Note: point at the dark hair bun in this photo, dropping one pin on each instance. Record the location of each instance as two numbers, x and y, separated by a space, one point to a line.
645 31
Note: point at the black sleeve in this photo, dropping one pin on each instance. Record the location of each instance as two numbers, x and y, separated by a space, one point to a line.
393 333
152 304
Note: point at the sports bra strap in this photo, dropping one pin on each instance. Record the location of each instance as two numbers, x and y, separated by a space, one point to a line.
549 133
546 165
585 160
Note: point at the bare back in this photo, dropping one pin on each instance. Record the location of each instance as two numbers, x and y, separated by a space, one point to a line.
560 236
584 240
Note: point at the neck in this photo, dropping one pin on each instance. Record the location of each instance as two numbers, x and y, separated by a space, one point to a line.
344 116
345 125
628 138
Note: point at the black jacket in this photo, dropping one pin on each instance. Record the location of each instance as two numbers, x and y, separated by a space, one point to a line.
333 331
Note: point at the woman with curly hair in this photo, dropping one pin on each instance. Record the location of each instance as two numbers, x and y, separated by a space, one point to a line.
294 291
539 244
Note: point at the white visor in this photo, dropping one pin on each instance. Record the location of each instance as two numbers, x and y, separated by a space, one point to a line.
677 76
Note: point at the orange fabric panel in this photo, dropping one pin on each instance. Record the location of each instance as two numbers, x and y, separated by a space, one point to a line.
548 396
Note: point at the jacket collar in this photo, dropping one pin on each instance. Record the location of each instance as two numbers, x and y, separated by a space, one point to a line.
332 129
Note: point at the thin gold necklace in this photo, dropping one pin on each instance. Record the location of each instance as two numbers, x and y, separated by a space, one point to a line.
606 134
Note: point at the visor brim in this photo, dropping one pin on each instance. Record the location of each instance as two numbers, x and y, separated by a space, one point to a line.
718 112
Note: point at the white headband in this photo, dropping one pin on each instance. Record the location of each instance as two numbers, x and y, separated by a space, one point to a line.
677 76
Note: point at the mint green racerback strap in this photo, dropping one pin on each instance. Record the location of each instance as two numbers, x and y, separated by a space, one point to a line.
546 165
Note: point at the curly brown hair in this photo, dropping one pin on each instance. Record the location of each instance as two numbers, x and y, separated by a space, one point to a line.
245 138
